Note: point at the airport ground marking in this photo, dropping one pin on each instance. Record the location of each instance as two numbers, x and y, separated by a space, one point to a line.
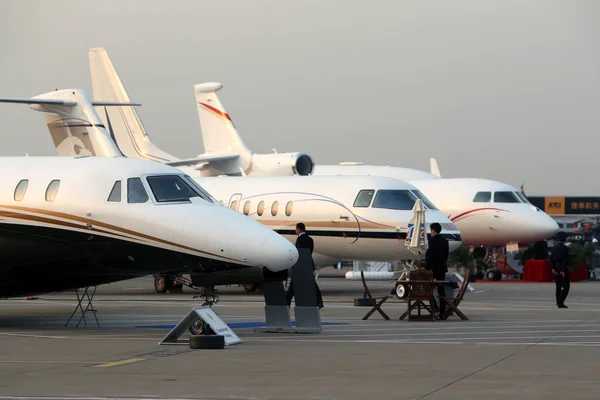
514 353
46 362
120 363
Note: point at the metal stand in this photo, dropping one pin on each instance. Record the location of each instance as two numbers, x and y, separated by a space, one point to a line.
84 295
277 313
208 318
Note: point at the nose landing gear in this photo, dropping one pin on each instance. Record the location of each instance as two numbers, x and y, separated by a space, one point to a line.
210 297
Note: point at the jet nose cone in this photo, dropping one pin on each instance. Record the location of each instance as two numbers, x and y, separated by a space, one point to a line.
547 225
279 254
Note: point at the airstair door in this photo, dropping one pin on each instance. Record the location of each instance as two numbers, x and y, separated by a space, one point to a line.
234 201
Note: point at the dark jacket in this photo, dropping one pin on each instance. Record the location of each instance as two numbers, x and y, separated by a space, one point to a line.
306 242
437 256
560 258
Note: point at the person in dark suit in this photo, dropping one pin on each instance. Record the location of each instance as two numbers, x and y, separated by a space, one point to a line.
304 242
560 268
436 258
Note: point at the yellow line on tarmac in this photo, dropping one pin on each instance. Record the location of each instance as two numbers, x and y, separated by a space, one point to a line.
119 363
45 362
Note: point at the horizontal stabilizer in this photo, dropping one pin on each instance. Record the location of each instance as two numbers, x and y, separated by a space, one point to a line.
114 103
203 158
33 100
349 163
64 103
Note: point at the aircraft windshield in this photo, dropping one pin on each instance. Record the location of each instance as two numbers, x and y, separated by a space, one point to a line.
364 198
394 199
425 200
203 193
506 197
522 197
171 188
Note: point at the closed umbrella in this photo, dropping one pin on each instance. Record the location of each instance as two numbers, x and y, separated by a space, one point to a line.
416 238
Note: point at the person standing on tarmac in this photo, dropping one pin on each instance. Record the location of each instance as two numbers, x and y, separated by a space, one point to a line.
436 259
304 242
560 268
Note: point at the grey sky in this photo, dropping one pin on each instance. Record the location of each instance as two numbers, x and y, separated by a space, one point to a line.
505 90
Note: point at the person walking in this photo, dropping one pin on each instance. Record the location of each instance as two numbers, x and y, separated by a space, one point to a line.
560 268
436 259
304 242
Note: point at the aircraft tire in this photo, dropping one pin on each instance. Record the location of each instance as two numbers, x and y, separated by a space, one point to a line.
212 342
250 287
497 275
162 283
401 291
362 302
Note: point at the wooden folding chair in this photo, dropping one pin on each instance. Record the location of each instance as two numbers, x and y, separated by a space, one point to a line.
420 296
375 301
453 302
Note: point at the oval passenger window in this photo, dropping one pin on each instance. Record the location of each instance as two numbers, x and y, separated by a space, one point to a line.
261 208
52 190
21 189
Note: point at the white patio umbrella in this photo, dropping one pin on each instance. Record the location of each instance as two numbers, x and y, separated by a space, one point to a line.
416 238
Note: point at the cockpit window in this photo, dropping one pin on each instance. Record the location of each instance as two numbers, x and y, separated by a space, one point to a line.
115 193
136 193
522 197
506 197
203 193
482 197
364 198
425 200
169 188
394 199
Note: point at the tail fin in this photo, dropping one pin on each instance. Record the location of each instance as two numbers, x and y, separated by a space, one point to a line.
219 134
435 170
74 125
129 133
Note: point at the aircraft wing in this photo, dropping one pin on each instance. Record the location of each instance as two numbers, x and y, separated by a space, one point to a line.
203 159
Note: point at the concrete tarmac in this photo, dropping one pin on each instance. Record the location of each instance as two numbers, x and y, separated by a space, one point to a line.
517 344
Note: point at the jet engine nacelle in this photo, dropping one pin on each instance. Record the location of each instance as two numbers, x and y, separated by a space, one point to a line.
282 164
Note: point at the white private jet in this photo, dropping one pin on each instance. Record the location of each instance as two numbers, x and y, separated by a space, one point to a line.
362 218
222 155
488 213
68 223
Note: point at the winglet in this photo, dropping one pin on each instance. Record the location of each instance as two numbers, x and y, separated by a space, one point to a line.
433 166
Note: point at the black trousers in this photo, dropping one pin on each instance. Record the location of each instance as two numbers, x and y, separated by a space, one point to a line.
441 276
290 293
563 284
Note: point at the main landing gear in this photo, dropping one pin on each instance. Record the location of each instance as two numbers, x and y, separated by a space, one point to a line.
169 283
252 287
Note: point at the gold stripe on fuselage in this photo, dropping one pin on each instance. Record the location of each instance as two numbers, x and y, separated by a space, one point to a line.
328 224
86 221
